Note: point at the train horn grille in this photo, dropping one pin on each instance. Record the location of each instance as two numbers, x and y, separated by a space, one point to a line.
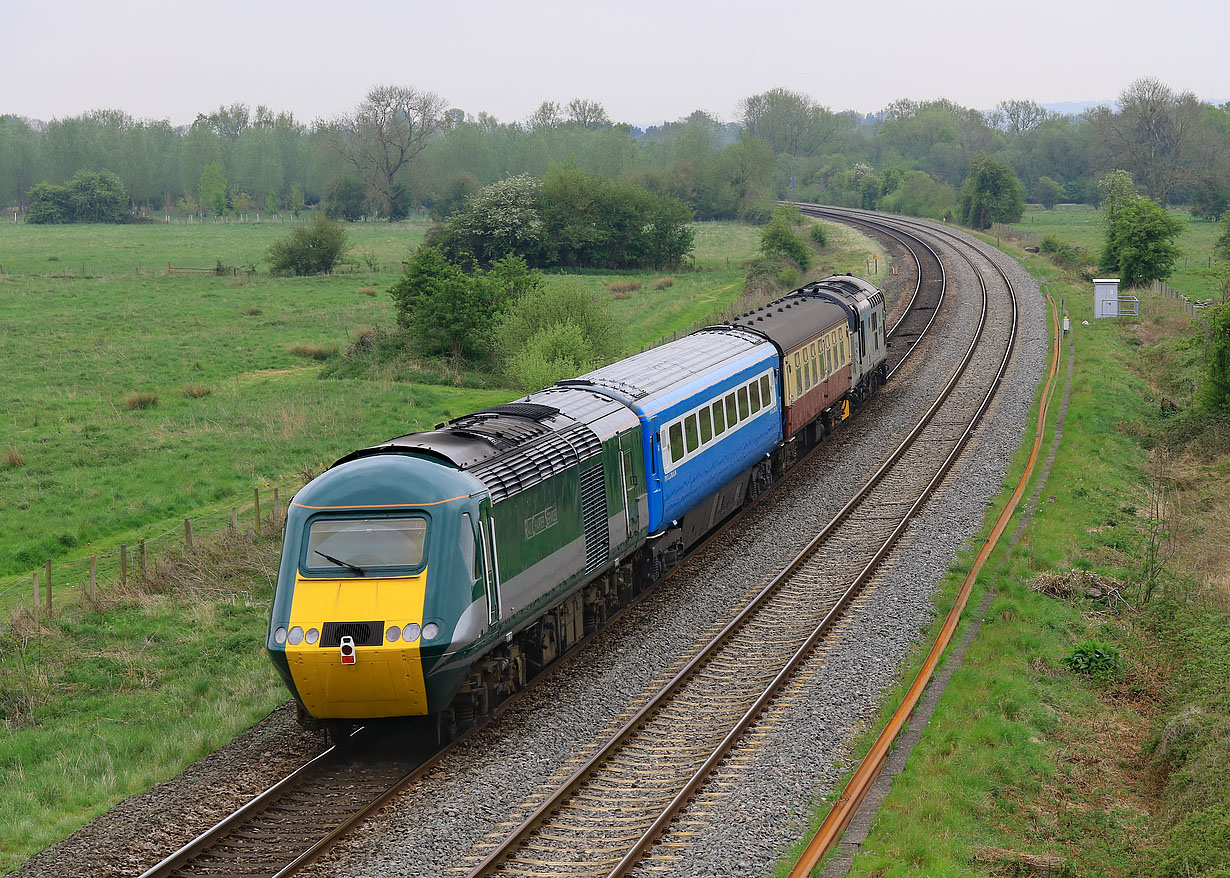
364 633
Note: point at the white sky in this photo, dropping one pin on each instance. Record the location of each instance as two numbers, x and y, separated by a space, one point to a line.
644 61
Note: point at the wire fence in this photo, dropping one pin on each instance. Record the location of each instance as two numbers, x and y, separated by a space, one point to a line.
86 576
1192 309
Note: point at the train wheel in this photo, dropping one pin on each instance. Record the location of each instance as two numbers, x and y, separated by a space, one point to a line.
339 731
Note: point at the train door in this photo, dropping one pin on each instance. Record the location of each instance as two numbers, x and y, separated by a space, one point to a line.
490 573
629 445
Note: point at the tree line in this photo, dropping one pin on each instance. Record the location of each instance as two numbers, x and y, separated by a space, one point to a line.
404 147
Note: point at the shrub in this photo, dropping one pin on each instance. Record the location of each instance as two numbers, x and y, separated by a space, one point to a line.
663 282
1094 658
818 235
13 457
312 351
312 249
140 400
778 239
530 346
197 391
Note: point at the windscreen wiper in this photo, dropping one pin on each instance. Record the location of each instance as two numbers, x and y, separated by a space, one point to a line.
340 563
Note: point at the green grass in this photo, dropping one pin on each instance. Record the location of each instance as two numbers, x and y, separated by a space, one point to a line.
1024 755
1081 224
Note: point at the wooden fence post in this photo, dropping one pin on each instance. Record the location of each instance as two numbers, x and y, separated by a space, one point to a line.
275 507
188 533
123 564
234 518
256 499
93 578
38 594
141 552
48 586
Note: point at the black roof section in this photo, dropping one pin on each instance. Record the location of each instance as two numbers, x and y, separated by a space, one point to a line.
793 320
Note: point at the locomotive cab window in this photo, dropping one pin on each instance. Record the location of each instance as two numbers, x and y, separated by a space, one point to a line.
469 545
358 545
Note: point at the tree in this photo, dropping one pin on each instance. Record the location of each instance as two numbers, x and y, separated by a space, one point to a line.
311 249
344 198
97 197
548 115
1140 244
791 122
1216 389
991 193
501 220
1049 192
921 195
1222 246
386 132
213 189
1153 135
48 205
777 238
450 312
587 114
1018 117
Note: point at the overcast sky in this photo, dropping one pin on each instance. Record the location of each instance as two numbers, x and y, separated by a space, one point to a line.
644 61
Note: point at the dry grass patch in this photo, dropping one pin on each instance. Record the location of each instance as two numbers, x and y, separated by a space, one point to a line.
663 282
140 400
252 311
197 391
312 351
13 457
368 291
624 286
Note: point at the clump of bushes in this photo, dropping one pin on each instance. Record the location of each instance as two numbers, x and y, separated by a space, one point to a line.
818 235
312 249
140 400
1066 255
197 391
312 351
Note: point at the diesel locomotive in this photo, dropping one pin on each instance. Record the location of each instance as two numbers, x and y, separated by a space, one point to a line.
432 574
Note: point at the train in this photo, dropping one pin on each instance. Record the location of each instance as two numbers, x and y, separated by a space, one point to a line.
432 575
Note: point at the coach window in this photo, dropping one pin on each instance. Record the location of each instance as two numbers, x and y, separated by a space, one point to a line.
719 421
732 417
766 393
676 442
706 429
689 432
754 387
743 413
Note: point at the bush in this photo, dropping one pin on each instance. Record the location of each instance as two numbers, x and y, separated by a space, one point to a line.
312 249
344 198
778 239
1093 658
140 400
818 235
532 325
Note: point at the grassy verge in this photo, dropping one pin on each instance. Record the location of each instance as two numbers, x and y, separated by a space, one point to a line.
1122 772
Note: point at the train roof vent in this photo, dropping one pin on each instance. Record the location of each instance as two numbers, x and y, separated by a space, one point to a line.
521 469
530 410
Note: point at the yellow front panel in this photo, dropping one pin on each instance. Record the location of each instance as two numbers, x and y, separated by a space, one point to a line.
385 680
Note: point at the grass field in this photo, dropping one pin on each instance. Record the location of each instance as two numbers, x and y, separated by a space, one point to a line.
100 701
1081 224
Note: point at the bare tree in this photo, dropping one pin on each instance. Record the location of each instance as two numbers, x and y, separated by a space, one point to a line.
587 114
1152 135
547 115
1018 117
388 129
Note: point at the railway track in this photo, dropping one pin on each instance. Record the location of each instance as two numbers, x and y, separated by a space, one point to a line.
294 821
609 813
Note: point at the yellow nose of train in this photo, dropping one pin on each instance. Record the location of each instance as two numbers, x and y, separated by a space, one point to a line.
359 664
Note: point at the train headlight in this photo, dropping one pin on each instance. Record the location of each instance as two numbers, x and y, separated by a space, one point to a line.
411 632
312 635
279 636
393 634
296 636
430 631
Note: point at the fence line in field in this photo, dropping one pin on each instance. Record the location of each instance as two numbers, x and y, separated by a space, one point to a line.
132 562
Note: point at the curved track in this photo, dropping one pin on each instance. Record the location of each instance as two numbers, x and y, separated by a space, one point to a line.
605 817
297 819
